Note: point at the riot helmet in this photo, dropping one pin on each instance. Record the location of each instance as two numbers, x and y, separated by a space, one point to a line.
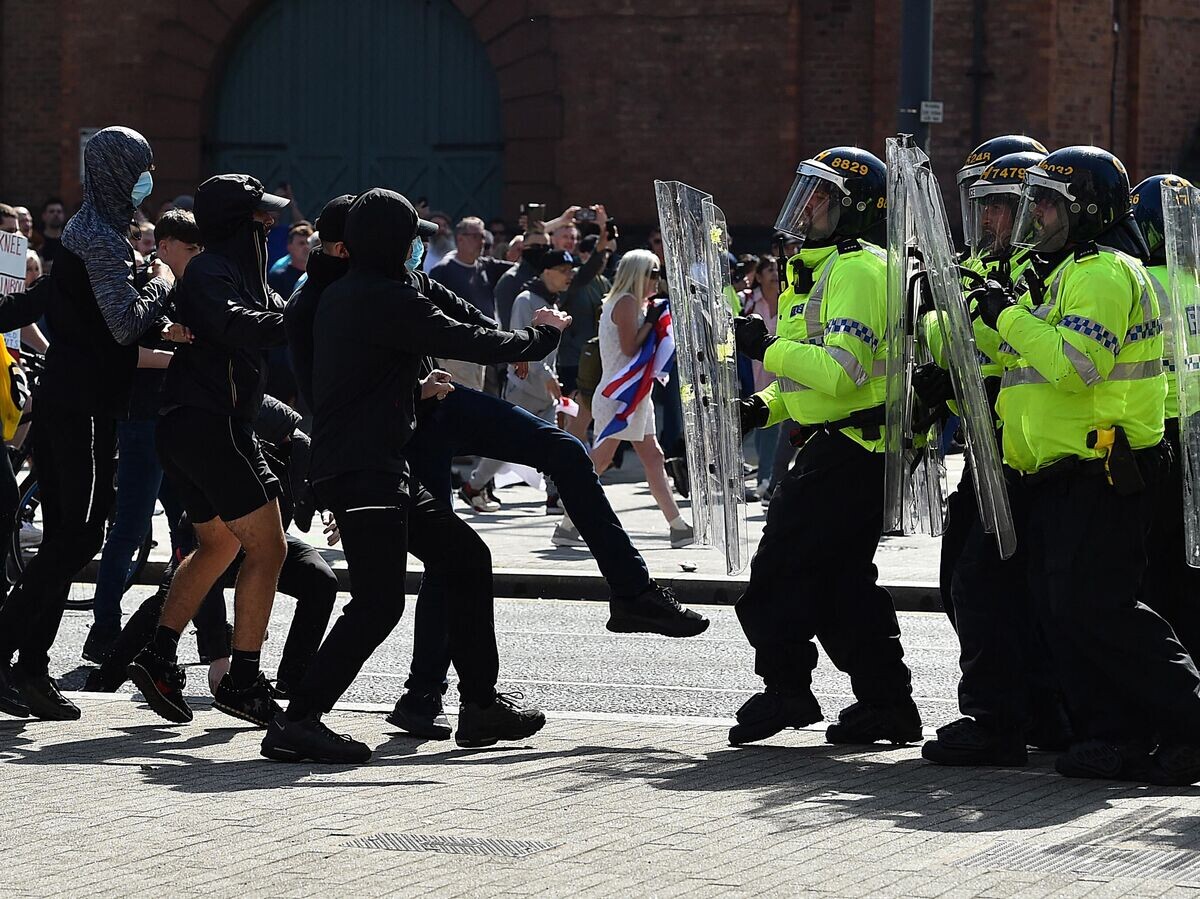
979 159
1071 197
994 199
1148 212
838 194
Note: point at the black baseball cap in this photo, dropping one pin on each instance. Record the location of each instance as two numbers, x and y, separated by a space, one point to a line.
426 228
244 194
555 258
331 223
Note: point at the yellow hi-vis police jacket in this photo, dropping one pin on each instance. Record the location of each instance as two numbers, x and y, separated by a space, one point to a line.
829 353
1089 357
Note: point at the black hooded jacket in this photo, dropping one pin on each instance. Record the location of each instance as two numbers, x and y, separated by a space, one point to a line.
372 329
93 305
234 316
322 270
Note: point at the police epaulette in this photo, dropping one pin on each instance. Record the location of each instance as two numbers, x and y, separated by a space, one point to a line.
849 246
1087 251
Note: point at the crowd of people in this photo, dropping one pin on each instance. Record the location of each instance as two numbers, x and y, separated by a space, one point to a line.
408 340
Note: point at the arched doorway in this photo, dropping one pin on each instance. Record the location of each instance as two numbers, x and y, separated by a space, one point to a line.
335 98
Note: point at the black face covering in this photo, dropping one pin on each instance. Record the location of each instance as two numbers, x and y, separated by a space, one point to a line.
533 255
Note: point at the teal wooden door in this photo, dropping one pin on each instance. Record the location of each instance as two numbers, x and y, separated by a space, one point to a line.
334 98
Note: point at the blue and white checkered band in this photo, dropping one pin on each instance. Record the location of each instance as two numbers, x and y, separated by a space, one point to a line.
1144 331
854 328
1094 330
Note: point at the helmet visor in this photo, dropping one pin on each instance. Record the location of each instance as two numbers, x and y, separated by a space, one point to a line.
993 212
813 205
1042 222
967 177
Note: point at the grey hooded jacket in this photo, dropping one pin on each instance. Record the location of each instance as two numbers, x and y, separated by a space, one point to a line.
96 310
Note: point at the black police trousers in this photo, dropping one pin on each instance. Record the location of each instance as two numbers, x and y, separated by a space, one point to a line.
1171 587
814 576
1123 671
961 517
1008 683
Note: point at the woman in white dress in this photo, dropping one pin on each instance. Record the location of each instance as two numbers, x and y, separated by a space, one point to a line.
624 327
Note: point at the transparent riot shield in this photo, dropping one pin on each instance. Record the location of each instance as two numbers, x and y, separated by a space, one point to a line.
926 215
695 240
1181 220
914 470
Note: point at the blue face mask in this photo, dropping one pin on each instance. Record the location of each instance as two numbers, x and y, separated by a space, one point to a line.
415 252
141 190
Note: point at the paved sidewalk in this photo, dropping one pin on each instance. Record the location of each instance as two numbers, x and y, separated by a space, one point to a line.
121 804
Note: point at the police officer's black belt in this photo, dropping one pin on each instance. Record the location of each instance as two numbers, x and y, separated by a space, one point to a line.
869 421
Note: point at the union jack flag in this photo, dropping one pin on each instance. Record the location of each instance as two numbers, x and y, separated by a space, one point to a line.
632 384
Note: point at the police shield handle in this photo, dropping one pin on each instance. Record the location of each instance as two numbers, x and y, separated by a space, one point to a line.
1181 221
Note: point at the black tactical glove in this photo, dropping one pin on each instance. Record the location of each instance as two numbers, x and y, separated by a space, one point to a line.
752 336
990 300
754 414
931 388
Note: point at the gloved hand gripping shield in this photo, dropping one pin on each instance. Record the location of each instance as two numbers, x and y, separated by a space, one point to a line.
1181 220
695 241
918 238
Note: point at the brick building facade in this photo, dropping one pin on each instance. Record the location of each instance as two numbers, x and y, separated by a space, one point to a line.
598 99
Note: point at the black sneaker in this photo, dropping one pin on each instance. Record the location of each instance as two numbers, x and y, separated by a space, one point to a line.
502 719
864 723
40 695
10 698
1175 765
765 714
1099 760
309 739
654 611
255 703
96 683
966 742
422 715
161 682
99 644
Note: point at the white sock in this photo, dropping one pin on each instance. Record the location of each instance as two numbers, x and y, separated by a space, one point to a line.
678 524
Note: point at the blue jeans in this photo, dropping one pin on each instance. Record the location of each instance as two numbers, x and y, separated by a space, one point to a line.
468 422
139 478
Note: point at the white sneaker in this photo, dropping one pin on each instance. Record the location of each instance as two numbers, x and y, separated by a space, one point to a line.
479 501
30 534
566 534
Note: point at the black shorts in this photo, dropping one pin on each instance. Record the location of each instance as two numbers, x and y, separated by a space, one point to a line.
215 464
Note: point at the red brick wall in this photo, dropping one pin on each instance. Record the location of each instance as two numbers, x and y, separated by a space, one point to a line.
601 98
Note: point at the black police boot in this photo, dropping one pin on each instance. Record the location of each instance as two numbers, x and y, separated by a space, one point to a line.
654 611
1175 765
40 695
967 742
309 739
1101 760
765 714
502 719
10 698
161 682
99 643
422 715
865 723
255 703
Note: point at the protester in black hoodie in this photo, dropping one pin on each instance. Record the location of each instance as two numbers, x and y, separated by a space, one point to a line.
206 442
373 329
97 315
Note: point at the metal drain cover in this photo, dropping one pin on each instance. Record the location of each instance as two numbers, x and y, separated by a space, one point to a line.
429 842
1176 865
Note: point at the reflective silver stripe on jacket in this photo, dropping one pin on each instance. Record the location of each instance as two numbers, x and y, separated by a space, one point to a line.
1122 371
878 370
1136 371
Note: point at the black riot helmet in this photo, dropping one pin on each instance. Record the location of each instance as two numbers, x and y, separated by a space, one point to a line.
979 159
1070 198
838 194
1148 212
994 198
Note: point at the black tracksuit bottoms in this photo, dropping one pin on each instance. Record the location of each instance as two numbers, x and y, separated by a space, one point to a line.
814 575
382 517
75 455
